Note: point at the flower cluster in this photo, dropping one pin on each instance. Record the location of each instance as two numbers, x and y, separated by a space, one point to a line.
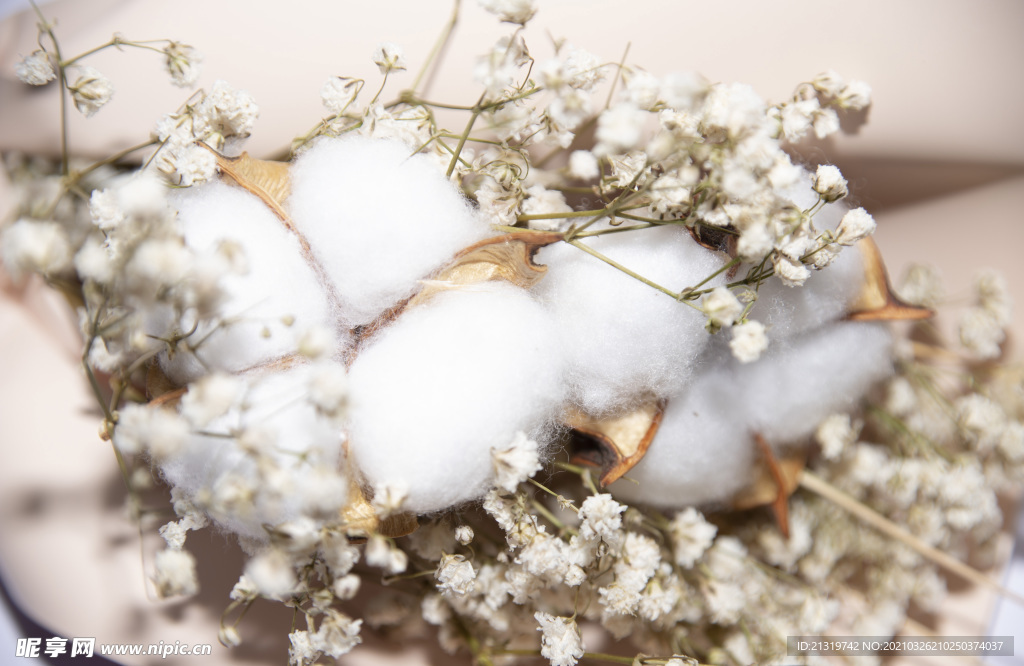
374 383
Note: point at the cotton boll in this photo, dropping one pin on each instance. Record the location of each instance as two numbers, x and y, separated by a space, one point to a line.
444 384
701 454
704 450
624 339
378 218
826 296
269 306
270 459
825 371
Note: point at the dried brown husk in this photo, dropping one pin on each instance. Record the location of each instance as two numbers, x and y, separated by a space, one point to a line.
775 480
615 444
507 258
877 301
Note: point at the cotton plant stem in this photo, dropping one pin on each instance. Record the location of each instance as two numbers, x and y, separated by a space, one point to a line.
824 489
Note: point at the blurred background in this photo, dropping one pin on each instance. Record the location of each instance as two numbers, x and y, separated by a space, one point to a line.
939 163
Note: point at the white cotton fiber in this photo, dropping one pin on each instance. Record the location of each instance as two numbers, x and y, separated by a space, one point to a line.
622 338
284 467
825 297
378 218
704 451
827 294
449 380
278 286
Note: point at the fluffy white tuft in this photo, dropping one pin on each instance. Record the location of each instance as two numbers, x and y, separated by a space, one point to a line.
379 219
445 384
827 294
623 339
703 451
268 306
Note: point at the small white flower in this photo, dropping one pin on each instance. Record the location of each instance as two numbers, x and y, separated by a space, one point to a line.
994 296
828 83
338 634
826 122
620 127
328 389
382 554
105 210
225 112
28 246
541 201
388 498
792 273
302 649
90 91
981 332
160 431
316 342
464 534
583 165
642 87
855 96
755 242
569 109
193 164
829 183
560 639
515 463
796 118
748 341
691 536
183 64
835 434
601 518
346 587
389 57
922 285
272 574
209 398
721 307
511 11
455 576
582 69
174 534
175 573
36 69
854 226
338 92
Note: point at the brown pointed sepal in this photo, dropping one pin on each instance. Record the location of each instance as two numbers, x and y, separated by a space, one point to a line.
775 479
268 180
877 301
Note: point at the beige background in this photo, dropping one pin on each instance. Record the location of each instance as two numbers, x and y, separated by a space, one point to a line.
940 164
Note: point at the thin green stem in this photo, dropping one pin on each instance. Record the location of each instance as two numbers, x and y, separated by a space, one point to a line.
442 40
614 230
116 41
465 135
114 158
618 75
63 81
600 212
633 274
724 268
